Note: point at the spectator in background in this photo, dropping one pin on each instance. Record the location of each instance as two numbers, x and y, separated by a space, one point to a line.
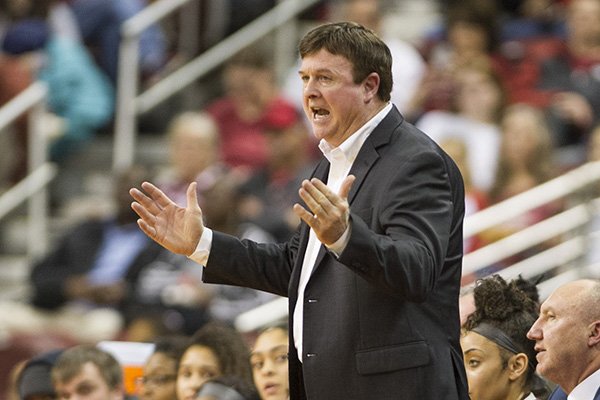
227 388
474 118
469 37
499 360
80 97
526 153
265 198
104 275
251 92
100 24
34 382
160 370
269 361
214 350
194 156
567 339
85 372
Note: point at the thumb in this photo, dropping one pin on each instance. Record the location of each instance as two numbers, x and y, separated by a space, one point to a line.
192 196
346 186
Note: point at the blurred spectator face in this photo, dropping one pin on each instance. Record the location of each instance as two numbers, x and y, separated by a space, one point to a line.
487 373
467 37
248 85
364 12
479 95
198 365
269 363
583 20
521 135
88 384
158 382
191 151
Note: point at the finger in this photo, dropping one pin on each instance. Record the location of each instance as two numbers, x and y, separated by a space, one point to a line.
324 193
192 195
304 215
144 201
147 229
143 212
157 195
307 193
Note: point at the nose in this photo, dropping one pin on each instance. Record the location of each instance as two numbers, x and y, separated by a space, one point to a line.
310 88
534 333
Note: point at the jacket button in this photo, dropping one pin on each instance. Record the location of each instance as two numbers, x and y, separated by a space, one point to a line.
311 354
312 300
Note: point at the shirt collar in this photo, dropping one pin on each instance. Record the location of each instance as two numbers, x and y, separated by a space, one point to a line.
586 390
350 147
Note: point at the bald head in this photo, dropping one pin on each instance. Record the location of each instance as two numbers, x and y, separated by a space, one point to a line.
582 296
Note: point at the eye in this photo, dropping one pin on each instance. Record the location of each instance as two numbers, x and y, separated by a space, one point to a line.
473 363
256 365
282 358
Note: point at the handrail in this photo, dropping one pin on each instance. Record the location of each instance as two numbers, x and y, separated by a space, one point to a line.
552 190
26 188
28 98
33 187
130 104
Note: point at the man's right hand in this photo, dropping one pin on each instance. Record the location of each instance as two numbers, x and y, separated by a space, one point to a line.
175 228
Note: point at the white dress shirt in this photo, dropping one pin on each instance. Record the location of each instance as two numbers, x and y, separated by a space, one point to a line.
586 390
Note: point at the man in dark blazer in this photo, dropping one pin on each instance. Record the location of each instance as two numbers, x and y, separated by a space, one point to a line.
373 273
567 339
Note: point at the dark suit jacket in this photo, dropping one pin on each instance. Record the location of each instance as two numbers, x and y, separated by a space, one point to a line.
559 394
380 322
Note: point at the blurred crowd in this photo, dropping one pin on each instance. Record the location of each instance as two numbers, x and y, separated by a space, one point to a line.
509 88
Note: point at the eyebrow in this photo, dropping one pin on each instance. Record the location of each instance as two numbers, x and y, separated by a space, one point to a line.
271 350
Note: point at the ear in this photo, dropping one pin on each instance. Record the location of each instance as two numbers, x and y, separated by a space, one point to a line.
517 366
371 86
594 334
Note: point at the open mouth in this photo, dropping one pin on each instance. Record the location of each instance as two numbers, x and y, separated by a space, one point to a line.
319 113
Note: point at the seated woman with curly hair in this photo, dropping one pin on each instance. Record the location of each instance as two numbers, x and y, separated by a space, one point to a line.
499 359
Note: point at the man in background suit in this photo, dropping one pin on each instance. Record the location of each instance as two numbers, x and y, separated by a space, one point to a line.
567 336
373 273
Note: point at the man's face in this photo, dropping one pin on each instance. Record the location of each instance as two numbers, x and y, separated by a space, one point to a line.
335 106
87 385
561 336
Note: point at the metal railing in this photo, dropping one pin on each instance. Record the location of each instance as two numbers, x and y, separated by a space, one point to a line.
571 230
130 104
33 188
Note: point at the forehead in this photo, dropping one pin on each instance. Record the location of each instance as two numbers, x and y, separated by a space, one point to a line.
324 60
199 355
269 340
565 298
89 372
474 342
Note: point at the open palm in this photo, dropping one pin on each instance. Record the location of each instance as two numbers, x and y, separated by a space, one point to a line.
176 228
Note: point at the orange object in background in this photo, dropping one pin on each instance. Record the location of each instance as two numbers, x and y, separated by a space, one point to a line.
132 356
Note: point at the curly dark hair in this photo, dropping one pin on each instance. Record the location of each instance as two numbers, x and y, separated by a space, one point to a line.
511 307
229 347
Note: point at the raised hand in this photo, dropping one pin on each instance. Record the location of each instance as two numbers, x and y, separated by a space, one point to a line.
176 228
330 211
